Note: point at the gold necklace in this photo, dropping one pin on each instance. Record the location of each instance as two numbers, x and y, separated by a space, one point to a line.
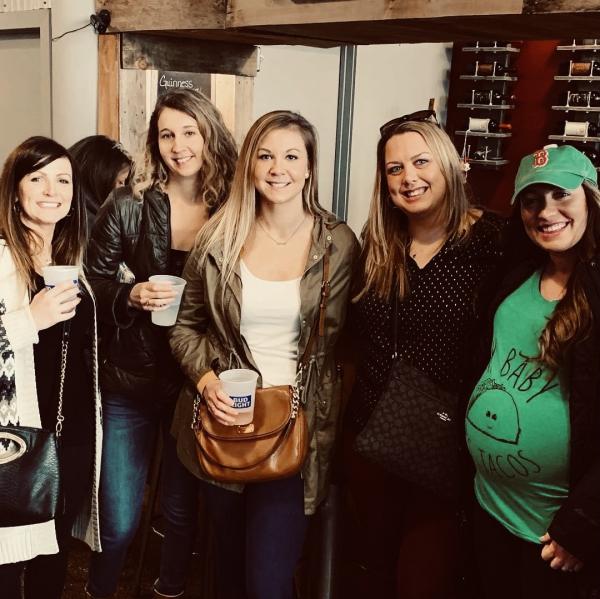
431 251
278 241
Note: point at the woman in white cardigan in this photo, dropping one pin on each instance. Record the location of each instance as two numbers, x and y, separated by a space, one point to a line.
42 222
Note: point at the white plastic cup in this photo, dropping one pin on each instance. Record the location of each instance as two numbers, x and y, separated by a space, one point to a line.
240 385
168 317
54 275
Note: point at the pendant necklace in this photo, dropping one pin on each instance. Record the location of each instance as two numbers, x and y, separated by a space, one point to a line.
278 241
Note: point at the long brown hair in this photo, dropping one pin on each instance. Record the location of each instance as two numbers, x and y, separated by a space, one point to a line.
385 234
232 224
572 317
218 155
69 234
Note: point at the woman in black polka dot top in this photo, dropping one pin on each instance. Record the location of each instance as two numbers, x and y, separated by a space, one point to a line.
427 244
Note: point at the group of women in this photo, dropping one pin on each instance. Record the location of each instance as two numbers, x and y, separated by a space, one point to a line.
504 314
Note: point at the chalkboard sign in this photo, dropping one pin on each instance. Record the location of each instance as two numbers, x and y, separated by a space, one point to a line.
168 80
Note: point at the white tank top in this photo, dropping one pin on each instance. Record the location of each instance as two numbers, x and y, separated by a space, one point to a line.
270 324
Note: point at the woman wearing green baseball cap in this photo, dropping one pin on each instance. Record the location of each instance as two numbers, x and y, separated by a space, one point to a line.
533 419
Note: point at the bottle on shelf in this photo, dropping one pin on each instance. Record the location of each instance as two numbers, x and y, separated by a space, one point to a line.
478 125
585 68
481 154
595 98
579 129
492 69
504 71
576 98
488 96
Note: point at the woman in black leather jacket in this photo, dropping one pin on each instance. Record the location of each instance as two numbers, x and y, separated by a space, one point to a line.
533 420
189 162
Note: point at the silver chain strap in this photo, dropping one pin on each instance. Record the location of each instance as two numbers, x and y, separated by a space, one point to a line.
63 368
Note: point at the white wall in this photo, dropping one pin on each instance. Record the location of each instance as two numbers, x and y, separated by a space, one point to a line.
74 71
19 101
305 80
391 80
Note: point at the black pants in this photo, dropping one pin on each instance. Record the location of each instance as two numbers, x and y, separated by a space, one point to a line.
513 568
44 576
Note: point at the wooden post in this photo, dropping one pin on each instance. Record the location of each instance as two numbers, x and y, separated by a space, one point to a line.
108 85
233 96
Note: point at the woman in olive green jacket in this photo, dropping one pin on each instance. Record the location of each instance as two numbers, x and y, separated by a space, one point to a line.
252 296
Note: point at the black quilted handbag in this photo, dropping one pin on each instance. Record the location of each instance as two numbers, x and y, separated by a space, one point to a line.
29 467
413 430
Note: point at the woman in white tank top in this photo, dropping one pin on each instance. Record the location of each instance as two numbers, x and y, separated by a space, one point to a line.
253 292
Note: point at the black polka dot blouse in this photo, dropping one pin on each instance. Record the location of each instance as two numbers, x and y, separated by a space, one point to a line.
436 322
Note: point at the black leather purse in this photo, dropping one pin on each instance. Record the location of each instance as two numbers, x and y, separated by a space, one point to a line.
413 430
29 466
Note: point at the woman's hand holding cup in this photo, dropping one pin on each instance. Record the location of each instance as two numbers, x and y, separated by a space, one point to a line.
220 405
58 304
151 296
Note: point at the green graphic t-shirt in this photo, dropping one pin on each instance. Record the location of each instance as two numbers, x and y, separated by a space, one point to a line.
517 421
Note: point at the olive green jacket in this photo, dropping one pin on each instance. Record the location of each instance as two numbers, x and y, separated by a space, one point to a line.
207 336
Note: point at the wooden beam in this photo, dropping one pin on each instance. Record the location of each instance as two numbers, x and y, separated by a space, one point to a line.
152 15
134 86
108 85
167 53
245 13
558 6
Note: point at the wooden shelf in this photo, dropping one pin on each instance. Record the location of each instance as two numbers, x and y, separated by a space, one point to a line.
489 78
499 162
481 134
478 49
575 48
574 138
487 106
576 78
577 108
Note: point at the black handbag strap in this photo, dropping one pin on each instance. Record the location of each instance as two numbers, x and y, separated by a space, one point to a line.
395 307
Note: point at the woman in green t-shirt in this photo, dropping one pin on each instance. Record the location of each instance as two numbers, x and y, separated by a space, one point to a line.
533 419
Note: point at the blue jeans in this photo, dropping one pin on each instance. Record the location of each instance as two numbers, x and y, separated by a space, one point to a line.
130 430
258 538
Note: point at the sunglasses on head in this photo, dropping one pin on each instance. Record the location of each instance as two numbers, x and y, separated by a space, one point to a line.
420 115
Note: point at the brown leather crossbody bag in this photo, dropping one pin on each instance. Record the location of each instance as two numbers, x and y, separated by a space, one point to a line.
274 445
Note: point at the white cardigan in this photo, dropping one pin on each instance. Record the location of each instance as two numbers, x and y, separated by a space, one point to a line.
21 543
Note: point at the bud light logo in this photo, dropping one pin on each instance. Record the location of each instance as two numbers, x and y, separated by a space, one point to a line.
241 402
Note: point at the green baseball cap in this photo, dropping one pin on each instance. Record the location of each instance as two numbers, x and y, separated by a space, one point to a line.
563 166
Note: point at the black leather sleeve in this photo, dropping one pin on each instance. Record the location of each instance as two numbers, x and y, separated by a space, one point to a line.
106 250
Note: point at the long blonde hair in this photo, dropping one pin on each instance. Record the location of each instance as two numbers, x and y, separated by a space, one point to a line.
385 234
233 223
218 155
69 234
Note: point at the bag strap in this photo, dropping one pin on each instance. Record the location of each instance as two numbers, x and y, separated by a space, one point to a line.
63 368
319 325
395 323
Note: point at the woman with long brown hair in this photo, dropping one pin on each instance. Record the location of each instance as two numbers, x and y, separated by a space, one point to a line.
48 366
533 420
151 227
426 251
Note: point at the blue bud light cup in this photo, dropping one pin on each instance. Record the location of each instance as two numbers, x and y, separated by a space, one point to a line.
240 385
